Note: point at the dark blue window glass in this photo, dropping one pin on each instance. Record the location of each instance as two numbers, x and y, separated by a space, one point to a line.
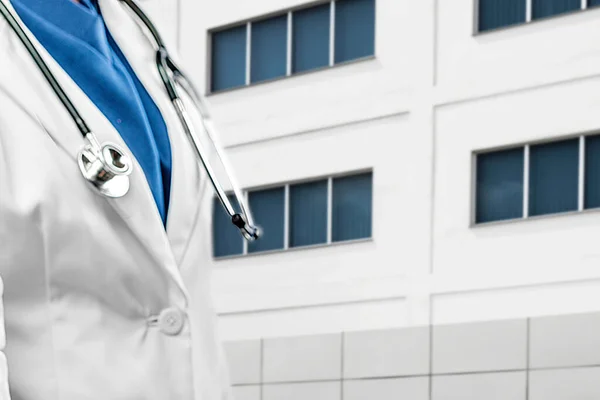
352 207
548 8
310 41
308 213
228 58
498 13
227 240
553 177
268 49
354 29
592 172
593 3
267 209
499 189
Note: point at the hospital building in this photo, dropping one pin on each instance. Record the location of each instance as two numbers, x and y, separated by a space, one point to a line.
427 176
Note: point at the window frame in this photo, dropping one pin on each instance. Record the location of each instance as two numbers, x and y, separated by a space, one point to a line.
209 66
330 44
289 12
528 16
474 174
526 166
286 207
249 47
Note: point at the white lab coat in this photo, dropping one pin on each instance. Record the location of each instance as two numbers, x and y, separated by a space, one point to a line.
86 277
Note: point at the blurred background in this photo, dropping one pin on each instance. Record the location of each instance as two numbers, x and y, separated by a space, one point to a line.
427 174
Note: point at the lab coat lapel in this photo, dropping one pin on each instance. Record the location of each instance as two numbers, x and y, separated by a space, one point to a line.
137 208
28 87
186 181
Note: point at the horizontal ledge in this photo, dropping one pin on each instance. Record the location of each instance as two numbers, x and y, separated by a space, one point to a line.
293 249
432 375
359 121
445 96
308 306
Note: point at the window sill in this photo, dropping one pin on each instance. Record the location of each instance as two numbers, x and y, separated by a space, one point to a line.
294 249
535 218
294 75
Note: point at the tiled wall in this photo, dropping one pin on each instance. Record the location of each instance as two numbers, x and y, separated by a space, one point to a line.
546 358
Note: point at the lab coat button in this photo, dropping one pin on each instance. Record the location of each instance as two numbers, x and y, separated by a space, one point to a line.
171 321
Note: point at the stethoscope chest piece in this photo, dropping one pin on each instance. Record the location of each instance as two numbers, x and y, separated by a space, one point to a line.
106 167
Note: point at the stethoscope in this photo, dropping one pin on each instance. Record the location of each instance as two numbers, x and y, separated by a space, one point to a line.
106 166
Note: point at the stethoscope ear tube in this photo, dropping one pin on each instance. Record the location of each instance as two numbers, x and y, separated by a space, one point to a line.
162 65
170 74
244 220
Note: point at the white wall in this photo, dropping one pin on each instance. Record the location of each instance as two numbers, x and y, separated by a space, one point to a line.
433 94
538 53
533 82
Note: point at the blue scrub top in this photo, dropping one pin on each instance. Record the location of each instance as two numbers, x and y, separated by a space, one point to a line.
75 36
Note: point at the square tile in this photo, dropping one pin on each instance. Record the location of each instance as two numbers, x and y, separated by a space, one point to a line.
303 391
565 341
387 389
495 386
481 346
393 352
565 384
243 361
246 392
304 358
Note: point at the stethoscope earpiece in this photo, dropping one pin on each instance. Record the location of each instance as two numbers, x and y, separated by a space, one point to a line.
250 232
106 167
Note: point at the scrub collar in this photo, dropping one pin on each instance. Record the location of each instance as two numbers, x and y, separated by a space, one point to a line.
81 21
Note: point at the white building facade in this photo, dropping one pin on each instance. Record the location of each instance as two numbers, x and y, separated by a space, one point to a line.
435 92
478 127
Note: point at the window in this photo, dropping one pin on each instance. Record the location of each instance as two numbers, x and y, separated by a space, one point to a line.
548 8
308 213
592 172
311 213
499 185
499 13
268 207
226 237
269 54
354 29
352 207
493 14
293 42
538 179
310 42
229 58
553 177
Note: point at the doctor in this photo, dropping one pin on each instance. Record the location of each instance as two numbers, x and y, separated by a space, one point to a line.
104 298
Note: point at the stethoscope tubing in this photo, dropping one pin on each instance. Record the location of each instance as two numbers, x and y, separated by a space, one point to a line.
48 75
223 198
165 66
